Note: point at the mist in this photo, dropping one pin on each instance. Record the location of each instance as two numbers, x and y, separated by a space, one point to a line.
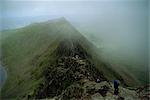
119 28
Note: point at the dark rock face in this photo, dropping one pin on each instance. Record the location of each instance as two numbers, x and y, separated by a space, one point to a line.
71 67
68 71
71 48
103 91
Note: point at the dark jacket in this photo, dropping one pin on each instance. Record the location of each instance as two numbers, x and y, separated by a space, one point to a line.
116 84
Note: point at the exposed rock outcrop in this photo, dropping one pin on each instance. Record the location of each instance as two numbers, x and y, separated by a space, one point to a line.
75 78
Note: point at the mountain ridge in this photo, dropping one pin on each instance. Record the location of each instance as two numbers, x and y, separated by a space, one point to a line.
41 45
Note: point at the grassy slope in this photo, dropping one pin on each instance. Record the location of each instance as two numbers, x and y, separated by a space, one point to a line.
21 46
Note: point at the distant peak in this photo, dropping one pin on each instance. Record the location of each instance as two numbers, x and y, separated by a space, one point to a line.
61 19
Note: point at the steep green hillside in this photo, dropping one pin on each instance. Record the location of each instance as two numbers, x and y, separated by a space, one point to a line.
28 51
19 47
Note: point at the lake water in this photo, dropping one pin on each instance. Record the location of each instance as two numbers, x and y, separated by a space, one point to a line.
3 75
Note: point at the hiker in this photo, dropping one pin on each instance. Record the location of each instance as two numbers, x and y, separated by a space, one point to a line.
98 80
116 85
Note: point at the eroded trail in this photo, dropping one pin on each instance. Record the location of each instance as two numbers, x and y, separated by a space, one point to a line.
68 71
74 77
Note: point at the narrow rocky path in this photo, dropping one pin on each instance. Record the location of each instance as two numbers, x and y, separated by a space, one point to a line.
76 78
